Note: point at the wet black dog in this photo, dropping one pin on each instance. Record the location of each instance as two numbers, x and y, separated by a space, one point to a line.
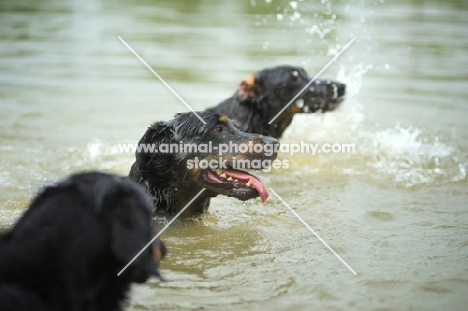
66 250
173 178
262 96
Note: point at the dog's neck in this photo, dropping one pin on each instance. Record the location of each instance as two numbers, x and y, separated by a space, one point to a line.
171 193
198 206
258 117
171 198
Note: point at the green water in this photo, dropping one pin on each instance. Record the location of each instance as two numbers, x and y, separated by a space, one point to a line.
395 211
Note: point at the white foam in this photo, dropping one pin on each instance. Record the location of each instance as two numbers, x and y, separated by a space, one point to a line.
408 156
327 126
94 148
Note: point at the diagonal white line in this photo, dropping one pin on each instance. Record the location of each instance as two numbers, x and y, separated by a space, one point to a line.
311 81
312 230
162 230
161 79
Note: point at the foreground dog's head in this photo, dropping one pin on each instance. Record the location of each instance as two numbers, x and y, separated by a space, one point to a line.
73 240
271 89
173 178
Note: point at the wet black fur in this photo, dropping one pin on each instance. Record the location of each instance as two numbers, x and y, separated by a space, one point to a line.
66 250
166 177
253 106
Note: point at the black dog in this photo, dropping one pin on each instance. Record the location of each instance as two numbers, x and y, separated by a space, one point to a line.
172 178
262 96
66 250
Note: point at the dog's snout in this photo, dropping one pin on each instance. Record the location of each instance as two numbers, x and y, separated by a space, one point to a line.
335 90
341 89
268 140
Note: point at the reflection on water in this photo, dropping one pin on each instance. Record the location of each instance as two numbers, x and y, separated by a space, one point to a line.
395 210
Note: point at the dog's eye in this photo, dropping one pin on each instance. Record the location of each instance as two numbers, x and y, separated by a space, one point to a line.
295 75
218 129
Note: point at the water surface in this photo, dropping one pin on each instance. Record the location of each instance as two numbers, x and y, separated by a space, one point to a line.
396 210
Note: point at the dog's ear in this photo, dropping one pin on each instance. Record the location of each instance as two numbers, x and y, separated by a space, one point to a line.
156 134
128 217
248 88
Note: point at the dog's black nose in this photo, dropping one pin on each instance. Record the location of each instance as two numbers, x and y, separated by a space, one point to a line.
341 89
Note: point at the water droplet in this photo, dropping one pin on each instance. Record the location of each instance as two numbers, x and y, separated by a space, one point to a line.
295 16
300 103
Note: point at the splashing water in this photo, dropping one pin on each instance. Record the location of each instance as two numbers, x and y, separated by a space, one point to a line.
353 78
410 157
335 125
406 155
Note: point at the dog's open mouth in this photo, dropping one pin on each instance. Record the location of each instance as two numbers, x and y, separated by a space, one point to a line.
240 184
322 96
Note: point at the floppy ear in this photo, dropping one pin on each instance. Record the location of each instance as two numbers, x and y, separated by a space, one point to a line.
128 217
247 88
155 135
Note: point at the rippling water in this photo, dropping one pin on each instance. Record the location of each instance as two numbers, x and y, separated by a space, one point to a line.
395 210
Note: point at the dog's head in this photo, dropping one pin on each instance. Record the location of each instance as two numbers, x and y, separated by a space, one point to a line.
85 230
127 211
271 89
198 160
121 210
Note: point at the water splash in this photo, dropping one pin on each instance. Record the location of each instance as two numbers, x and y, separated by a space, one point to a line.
106 155
94 148
338 124
353 78
408 156
411 157
404 156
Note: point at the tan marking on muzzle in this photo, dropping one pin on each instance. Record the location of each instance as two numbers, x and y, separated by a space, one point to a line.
223 118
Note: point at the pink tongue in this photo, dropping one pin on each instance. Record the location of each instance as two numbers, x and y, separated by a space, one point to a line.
257 183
